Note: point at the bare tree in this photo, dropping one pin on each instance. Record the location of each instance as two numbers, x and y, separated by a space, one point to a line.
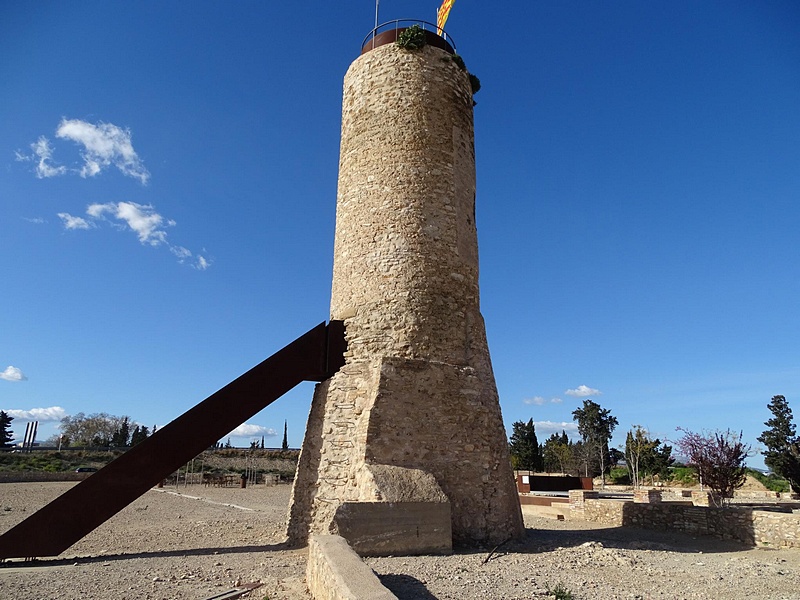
98 429
637 444
646 456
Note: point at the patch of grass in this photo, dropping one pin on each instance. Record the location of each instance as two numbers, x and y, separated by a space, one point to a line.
52 461
560 592
685 476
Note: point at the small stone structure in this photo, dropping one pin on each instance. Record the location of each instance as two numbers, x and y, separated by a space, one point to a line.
408 434
744 524
335 572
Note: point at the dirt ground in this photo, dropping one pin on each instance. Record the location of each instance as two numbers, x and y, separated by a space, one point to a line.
196 543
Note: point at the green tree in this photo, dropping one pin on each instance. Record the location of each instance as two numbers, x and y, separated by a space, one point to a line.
557 453
140 434
6 435
659 462
524 447
595 424
122 435
285 444
782 453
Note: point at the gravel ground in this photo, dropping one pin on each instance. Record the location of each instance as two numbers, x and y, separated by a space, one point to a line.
202 542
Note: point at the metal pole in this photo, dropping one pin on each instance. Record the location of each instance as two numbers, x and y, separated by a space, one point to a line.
377 4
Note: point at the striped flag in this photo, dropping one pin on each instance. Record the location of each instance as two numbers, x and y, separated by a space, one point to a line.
442 14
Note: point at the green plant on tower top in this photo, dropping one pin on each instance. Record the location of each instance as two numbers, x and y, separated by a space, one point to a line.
412 38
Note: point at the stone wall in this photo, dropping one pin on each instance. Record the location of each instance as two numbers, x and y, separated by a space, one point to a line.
335 572
742 524
417 391
41 476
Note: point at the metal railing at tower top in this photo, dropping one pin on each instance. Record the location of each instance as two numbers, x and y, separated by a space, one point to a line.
388 32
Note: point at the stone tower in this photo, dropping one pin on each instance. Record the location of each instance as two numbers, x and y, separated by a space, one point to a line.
405 445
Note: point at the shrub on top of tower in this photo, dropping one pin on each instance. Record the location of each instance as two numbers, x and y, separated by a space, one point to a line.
474 82
412 38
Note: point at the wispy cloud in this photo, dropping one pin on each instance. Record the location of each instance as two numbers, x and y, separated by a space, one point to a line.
42 155
103 145
201 264
53 413
541 400
143 220
583 391
547 428
250 430
13 374
71 222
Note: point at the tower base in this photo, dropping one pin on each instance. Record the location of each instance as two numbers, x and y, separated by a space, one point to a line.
395 448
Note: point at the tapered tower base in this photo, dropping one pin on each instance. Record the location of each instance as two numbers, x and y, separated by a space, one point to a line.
405 449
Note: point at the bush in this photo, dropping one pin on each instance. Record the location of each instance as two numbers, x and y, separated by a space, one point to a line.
474 83
685 476
412 38
619 476
772 482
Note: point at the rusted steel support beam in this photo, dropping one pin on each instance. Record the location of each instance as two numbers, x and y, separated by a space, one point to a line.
314 356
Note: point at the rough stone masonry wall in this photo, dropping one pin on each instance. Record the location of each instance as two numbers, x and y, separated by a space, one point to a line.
742 524
417 390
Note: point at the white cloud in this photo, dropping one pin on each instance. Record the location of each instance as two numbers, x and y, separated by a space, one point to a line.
53 413
537 400
34 220
42 154
541 400
141 219
249 430
583 391
202 263
104 145
71 222
13 374
547 428
184 254
181 252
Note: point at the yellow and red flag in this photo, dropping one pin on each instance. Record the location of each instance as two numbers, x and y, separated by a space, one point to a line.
442 14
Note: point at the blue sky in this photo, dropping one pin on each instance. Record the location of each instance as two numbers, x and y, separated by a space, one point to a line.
168 185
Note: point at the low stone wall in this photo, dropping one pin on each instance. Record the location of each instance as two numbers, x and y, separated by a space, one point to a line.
744 524
39 476
336 572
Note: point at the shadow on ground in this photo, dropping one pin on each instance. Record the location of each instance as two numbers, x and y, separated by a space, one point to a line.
629 538
56 562
406 587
